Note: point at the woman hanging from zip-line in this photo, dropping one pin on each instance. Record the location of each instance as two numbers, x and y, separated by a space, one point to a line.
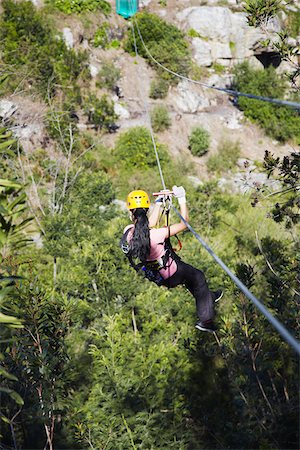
156 257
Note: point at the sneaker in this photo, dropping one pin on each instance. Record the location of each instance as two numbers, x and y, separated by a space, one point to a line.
208 325
218 295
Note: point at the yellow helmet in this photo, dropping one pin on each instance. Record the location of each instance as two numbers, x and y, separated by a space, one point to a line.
138 199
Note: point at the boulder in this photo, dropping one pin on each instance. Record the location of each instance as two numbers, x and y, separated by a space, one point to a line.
7 109
223 34
202 52
121 112
210 22
188 100
93 70
68 37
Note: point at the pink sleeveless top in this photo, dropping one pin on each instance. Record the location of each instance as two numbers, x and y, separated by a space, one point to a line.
157 249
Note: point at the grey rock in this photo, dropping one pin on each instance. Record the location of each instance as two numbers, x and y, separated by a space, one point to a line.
120 203
68 37
188 100
93 70
7 109
122 112
195 181
202 52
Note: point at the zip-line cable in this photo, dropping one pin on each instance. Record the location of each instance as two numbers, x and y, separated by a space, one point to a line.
231 92
148 117
287 336
275 322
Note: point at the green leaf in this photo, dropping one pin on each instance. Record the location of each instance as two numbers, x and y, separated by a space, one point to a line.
9 183
6 144
7 375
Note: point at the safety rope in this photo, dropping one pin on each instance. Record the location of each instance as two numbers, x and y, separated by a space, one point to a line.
227 91
287 336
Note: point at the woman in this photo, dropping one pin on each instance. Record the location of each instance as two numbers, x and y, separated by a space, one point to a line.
158 261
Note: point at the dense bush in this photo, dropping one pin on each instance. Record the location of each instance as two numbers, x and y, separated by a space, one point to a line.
226 158
100 112
199 141
158 88
78 6
165 42
280 122
101 37
27 40
108 75
160 119
135 148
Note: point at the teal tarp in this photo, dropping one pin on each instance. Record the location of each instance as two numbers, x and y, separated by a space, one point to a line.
127 8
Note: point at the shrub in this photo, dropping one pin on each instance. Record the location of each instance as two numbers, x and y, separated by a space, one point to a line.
135 148
100 112
101 37
280 122
226 158
79 6
199 141
158 88
108 75
27 40
165 42
160 119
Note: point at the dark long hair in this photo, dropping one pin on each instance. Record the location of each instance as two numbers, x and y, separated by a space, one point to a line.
140 242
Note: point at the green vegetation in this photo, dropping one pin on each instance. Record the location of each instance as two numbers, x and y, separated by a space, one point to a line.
108 75
193 33
91 354
160 119
100 112
226 158
218 68
158 88
199 141
79 6
280 122
135 149
101 37
39 59
165 42
260 11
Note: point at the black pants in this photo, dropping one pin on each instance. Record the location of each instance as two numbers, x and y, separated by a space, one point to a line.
195 282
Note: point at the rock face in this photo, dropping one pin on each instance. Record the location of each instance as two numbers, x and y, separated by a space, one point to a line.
224 36
187 100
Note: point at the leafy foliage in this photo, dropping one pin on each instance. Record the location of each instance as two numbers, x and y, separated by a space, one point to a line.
28 41
100 112
160 118
108 75
285 170
260 11
279 122
199 141
226 157
158 88
135 148
79 6
165 43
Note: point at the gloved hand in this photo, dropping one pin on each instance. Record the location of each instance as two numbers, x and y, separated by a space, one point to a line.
179 193
160 199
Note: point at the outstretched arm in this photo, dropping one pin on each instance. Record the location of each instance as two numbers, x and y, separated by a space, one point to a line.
179 193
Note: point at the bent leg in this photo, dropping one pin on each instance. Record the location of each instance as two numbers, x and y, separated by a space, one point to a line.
194 280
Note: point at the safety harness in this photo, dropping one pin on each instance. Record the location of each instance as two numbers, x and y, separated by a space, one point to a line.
150 269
